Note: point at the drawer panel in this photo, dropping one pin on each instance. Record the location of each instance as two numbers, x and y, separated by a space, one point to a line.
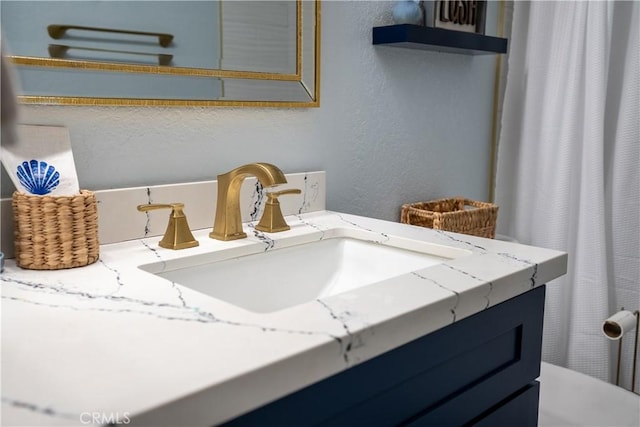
433 386
496 351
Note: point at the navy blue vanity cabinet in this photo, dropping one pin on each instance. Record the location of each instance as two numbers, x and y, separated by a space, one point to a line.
478 371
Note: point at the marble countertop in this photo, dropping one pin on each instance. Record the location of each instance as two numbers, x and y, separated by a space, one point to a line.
111 342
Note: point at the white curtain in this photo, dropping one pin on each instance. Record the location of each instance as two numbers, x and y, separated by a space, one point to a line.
568 166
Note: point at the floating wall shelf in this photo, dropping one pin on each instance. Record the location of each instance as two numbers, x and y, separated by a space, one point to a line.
438 39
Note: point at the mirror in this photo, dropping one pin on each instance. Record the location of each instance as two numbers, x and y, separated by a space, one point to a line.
184 53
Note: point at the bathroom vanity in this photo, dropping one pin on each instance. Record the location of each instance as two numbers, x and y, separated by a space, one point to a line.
479 371
452 340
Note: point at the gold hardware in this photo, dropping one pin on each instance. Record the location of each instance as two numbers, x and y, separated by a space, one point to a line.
60 51
272 220
228 221
178 234
58 31
496 116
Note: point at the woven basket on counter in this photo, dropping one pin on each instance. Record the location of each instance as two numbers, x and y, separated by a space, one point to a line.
455 214
55 232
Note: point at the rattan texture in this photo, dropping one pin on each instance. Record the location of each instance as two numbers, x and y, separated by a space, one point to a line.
450 214
55 232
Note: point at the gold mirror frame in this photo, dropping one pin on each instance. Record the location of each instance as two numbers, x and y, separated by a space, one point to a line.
314 98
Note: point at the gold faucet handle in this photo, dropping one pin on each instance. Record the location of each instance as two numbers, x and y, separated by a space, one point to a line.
275 194
272 220
178 234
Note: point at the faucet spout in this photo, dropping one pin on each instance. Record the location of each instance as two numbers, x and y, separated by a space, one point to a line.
228 221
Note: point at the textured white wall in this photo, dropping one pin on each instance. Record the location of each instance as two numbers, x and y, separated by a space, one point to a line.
394 126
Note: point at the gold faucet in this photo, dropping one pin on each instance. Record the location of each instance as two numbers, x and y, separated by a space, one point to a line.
228 222
178 234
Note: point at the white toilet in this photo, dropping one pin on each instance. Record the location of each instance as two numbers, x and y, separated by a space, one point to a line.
570 398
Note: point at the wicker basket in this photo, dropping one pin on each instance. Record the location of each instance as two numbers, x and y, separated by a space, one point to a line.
55 232
453 214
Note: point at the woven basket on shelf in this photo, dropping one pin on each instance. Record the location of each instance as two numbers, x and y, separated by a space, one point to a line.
55 232
453 214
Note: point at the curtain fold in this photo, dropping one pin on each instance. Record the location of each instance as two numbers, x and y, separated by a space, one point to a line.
568 161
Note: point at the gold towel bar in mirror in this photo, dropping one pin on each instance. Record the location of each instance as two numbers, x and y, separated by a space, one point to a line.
60 51
57 31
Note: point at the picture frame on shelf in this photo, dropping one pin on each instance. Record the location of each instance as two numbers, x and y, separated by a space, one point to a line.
458 15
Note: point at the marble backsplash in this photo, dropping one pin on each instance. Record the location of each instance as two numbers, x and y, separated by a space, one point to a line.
119 220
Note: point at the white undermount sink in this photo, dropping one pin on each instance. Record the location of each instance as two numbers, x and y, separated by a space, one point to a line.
279 278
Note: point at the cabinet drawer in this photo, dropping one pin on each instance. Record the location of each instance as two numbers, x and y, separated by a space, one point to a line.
451 376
